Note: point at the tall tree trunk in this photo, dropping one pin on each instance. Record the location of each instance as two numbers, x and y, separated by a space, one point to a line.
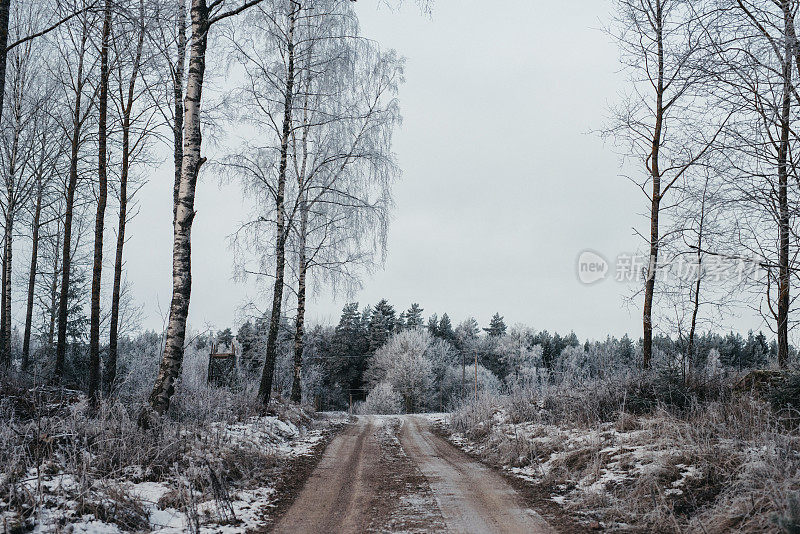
181 256
690 350
297 393
5 317
5 15
54 294
113 340
37 213
123 215
66 259
5 285
655 174
99 222
265 389
783 201
177 90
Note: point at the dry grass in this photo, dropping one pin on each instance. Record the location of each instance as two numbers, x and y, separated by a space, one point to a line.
646 456
57 455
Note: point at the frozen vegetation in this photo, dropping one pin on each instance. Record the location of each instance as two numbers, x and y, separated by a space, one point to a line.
216 465
646 452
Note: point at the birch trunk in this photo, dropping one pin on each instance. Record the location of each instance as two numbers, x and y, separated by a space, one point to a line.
177 90
297 393
8 239
5 14
172 358
655 173
5 319
265 389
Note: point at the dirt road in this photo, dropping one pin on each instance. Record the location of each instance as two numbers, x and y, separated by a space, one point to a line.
392 474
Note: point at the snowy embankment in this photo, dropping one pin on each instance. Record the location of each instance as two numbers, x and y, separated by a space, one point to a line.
726 467
216 477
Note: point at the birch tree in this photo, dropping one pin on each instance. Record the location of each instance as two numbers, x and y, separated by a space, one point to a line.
49 150
327 98
19 134
758 65
344 177
203 16
663 123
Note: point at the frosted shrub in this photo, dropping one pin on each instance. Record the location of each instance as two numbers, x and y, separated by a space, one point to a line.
412 376
137 367
196 400
713 364
404 363
383 399
577 364
410 344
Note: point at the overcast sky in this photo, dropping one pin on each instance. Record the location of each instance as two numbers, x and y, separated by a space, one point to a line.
504 182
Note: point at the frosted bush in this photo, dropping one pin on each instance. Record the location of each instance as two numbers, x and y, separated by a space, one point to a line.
410 344
383 399
713 363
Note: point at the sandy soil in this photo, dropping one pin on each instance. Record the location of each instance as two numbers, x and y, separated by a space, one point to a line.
392 474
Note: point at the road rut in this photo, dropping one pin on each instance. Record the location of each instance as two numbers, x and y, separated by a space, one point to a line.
392 474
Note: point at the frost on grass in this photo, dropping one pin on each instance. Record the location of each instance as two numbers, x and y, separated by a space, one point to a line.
725 463
64 471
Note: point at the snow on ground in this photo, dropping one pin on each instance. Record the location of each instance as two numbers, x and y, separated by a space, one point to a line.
580 465
172 505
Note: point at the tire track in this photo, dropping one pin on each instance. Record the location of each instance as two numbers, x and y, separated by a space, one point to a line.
471 497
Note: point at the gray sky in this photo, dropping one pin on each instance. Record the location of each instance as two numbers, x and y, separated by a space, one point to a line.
503 185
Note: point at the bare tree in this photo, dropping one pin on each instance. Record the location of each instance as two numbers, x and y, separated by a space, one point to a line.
663 121
137 129
344 182
49 149
6 9
18 148
78 69
756 56
322 180
102 199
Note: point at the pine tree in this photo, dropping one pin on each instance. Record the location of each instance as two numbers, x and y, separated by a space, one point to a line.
445 330
466 334
414 316
387 311
433 325
496 326
626 352
225 338
348 352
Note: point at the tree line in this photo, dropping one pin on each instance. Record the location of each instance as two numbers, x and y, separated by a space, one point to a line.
439 360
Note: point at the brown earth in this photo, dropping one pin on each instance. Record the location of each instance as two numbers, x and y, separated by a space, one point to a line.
393 474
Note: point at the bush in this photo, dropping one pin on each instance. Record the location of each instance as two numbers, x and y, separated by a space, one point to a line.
383 399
